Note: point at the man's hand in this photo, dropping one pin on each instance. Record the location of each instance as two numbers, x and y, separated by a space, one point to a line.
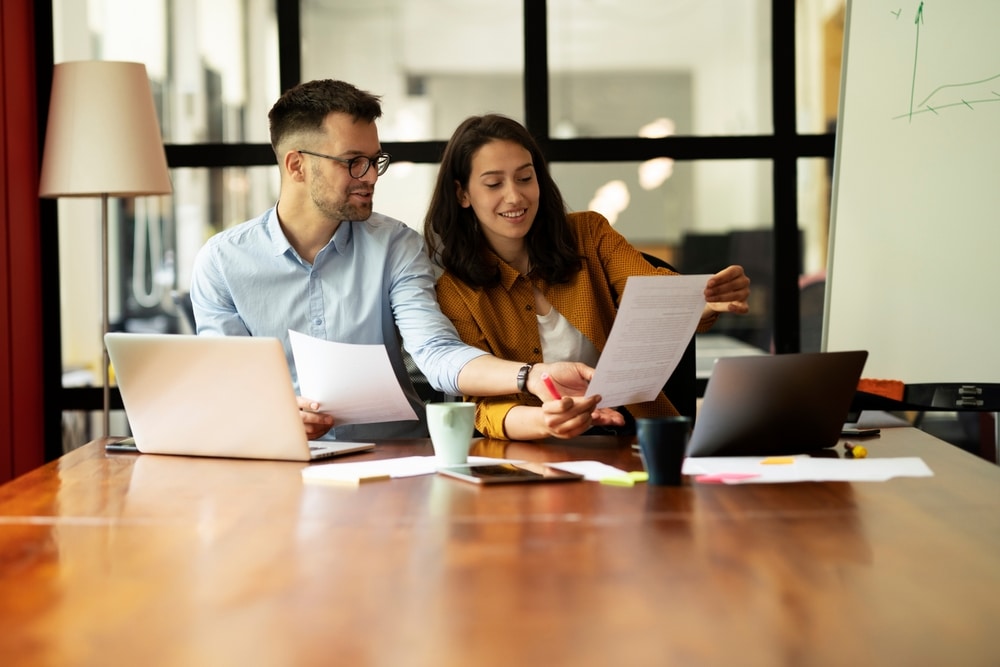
317 424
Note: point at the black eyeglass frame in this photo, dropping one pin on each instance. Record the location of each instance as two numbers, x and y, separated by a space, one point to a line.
381 162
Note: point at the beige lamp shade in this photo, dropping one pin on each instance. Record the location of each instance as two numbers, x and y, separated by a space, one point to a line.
103 136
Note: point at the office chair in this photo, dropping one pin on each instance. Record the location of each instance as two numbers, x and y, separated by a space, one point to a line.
812 295
182 300
425 391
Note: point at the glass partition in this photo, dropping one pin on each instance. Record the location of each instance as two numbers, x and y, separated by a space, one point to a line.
699 216
615 66
434 62
213 65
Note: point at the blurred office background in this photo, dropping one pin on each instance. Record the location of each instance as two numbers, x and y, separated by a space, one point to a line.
701 128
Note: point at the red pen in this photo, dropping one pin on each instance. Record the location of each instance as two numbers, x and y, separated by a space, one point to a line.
551 386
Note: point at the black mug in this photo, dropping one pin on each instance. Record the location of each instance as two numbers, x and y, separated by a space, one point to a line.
662 444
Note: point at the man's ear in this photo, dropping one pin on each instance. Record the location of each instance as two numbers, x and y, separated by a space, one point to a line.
295 166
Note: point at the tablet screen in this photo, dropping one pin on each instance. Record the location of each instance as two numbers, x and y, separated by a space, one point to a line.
499 473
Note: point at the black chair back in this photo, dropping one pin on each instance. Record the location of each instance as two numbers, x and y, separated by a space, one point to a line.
682 387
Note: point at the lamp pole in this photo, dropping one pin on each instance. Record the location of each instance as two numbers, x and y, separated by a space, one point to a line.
105 361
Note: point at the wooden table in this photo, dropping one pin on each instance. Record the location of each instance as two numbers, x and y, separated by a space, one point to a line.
118 559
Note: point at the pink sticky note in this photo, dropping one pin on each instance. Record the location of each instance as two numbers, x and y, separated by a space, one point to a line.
723 477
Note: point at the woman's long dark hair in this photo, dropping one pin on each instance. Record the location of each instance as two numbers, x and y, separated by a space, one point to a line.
454 240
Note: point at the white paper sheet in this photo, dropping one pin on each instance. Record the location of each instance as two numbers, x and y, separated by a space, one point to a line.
655 321
406 466
592 471
753 469
354 383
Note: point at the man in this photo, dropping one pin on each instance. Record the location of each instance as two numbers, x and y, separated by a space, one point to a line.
322 263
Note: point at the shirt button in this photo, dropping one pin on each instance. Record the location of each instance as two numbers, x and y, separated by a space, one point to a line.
537 351
317 322
528 307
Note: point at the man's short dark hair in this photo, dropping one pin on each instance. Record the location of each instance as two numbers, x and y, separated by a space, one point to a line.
304 107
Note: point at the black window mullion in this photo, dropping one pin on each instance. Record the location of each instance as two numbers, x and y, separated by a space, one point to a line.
686 147
536 71
48 229
289 16
786 249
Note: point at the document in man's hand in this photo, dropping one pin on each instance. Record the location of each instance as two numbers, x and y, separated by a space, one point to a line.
655 321
354 383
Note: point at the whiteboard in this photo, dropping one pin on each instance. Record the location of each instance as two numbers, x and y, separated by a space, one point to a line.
912 275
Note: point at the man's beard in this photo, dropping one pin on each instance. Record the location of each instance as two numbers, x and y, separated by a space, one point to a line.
342 210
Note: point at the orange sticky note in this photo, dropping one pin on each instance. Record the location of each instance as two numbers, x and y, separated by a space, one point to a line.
778 460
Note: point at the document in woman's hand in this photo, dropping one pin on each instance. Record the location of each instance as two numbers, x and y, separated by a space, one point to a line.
655 321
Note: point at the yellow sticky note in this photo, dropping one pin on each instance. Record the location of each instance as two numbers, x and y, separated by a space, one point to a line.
618 481
778 460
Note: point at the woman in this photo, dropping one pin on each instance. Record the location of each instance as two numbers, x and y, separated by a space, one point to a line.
525 280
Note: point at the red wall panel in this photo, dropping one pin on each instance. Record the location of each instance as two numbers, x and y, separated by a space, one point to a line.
21 388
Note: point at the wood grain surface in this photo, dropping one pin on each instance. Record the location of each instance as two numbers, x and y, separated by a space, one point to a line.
120 559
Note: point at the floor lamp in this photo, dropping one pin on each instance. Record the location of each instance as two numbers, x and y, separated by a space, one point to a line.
102 140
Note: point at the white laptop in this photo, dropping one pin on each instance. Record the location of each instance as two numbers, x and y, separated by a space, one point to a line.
226 396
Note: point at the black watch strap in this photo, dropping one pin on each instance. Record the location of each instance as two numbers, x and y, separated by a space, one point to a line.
522 377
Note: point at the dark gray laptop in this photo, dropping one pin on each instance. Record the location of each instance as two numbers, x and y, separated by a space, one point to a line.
772 405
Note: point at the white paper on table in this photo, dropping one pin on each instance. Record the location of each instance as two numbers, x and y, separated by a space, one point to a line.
406 466
354 383
592 471
751 469
655 321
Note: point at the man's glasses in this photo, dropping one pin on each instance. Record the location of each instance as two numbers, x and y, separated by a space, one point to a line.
358 166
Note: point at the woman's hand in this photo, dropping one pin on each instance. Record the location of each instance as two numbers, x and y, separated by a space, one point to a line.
607 417
570 378
568 417
563 418
727 291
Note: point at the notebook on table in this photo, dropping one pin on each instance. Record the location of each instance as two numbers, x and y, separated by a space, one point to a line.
776 404
224 396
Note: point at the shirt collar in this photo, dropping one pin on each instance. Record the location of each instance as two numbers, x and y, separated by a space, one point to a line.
280 245
508 274
342 237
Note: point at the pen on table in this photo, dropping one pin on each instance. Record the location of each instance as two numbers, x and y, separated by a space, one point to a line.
551 386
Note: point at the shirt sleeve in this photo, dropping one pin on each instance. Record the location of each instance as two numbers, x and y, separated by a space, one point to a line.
491 411
428 335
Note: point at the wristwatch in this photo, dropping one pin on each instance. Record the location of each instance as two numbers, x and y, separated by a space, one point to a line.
522 377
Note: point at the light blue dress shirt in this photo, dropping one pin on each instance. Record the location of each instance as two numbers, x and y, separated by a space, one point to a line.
372 283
